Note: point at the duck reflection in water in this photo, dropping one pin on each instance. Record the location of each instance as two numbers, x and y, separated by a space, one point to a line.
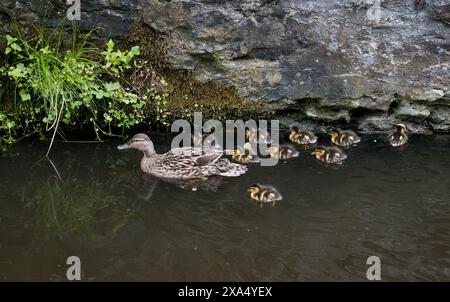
149 184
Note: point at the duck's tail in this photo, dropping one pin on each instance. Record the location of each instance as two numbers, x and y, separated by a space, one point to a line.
224 167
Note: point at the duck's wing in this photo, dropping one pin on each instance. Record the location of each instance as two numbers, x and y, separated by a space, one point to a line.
193 162
194 156
208 159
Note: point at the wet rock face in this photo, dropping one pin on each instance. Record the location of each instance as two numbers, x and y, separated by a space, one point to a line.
320 61
323 62
112 18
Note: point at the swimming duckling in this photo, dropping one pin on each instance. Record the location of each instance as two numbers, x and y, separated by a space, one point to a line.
302 137
244 157
283 152
265 194
344 138
330 155
205 140
398 137
260 137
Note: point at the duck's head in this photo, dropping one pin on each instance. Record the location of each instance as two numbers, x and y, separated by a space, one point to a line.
235 153
294 129
319 151
401 127
335 132
141 142
197 138
251 133
273 151
255 188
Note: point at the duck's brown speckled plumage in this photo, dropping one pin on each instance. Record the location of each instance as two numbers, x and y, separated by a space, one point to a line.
244 157
344 138
302 136
182 163
264 193
330 155
398 137
283 152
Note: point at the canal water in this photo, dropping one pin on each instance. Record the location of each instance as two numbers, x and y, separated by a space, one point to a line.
92 201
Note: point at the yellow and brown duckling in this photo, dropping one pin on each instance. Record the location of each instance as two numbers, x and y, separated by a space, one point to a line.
283 152
265 194
244 157
205 140
330 155
344 138
302 136
260 136
398 136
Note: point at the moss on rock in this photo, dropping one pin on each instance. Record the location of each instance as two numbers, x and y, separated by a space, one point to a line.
176 94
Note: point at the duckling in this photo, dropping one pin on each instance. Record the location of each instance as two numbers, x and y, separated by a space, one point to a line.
398 136
302 137
244 157
283 152
261 137
330 155
344 138
205 140
265 194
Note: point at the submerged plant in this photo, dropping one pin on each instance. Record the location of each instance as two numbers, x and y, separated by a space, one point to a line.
71 83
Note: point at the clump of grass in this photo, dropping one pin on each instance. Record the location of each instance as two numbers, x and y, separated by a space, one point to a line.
71 83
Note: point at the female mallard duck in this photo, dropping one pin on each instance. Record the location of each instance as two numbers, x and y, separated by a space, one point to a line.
265 193
344 138
283 152
244 157
302 137
398 137
329 155
182 163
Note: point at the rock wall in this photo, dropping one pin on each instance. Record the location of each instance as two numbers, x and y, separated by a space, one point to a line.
321 62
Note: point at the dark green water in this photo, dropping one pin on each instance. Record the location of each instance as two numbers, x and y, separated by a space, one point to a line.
391 203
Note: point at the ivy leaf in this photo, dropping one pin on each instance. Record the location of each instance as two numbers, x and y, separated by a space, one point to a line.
16 47
10 40
24 95
110 45
107 117
19 72
112 86
135 51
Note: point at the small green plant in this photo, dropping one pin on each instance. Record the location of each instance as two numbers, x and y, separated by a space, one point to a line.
72 85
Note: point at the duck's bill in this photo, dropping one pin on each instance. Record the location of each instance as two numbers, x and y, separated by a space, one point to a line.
313 153
124 146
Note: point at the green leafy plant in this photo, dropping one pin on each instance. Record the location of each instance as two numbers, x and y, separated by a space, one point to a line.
71 85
